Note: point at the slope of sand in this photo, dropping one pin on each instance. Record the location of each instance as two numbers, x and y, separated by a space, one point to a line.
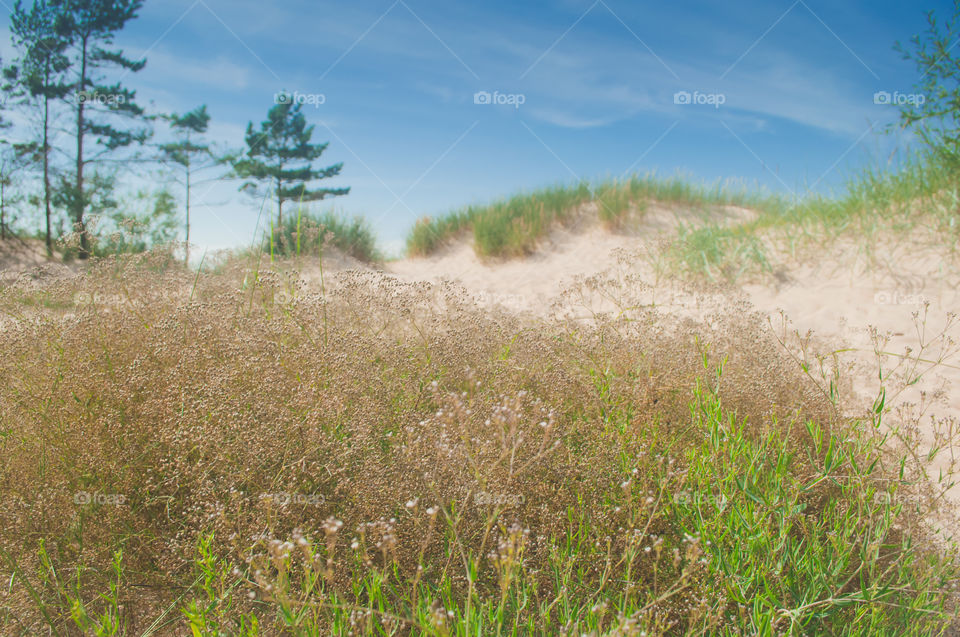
28 256
897 301
580 250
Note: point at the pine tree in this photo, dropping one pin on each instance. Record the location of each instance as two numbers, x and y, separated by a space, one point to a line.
8 88
279 159
40 74
90 26
190 153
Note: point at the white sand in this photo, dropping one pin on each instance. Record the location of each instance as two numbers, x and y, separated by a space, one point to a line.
839 298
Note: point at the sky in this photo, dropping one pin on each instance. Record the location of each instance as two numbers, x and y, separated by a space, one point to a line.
434 105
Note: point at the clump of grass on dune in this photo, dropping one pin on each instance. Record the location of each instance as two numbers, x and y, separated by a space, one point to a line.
513 227
249 457
719 252
616 198
918 195
505 228
429 235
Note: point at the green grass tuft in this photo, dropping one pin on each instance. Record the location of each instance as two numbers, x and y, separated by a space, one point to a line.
304 233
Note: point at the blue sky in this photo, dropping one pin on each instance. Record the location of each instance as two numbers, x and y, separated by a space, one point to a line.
597 81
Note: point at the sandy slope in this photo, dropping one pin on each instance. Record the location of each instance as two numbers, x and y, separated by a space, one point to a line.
904 292
18 256
582 250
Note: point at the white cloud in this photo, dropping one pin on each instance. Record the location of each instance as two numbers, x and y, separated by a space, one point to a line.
186 72
570 120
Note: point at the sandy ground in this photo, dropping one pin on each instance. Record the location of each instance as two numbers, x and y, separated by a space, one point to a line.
19 256
903 293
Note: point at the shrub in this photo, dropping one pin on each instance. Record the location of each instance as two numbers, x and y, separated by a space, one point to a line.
306 234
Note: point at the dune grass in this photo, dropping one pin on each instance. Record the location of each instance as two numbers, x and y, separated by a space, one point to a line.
512 227
223 461
920 195
505 228
921 192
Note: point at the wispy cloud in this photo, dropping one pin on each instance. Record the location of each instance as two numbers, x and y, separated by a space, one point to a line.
188 72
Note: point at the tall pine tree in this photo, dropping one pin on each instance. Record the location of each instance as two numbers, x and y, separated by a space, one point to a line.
90 26
279 159
40 72
190 153
8 88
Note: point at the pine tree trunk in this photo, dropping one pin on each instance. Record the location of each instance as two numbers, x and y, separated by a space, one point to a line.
79 203
280 214
46 168
186 259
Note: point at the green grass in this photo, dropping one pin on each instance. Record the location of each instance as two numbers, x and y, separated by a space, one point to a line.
505 228
748 534
512 227
304 233
919 194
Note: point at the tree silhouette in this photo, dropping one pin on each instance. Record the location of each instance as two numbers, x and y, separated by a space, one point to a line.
279 159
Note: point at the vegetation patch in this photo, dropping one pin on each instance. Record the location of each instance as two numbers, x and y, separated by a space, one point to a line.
240 455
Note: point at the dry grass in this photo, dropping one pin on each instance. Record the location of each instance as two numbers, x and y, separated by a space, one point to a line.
235 452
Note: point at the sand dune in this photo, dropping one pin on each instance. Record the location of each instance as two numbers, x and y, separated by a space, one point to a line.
902 294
